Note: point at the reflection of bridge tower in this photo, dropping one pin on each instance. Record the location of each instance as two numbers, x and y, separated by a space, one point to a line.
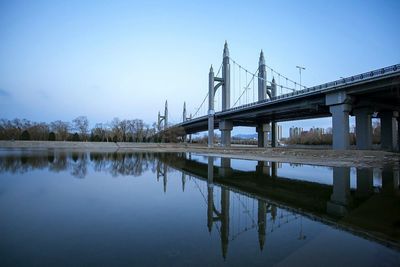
162 172
224 221
213 215
263 210
262 222
183 181
223 215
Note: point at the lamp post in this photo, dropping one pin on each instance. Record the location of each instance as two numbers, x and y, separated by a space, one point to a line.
300 69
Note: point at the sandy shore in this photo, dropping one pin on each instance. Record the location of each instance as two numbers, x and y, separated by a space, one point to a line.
326 157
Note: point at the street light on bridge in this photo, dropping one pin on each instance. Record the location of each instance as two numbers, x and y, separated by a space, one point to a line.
300 69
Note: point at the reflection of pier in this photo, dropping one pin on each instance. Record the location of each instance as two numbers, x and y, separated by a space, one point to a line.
351 209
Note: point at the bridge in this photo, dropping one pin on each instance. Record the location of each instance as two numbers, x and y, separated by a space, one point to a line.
277 98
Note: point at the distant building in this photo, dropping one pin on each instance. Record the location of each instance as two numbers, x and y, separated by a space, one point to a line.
279 132
295 132
319 131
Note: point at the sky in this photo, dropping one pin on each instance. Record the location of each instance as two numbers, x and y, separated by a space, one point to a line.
106 59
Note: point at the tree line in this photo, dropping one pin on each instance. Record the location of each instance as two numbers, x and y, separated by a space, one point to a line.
116 163
134 130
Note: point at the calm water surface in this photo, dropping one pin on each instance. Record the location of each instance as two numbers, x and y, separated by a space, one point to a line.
65 208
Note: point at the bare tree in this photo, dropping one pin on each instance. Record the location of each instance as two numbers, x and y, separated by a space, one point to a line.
61 129
123 127
81 124
39 131
99 133
116 130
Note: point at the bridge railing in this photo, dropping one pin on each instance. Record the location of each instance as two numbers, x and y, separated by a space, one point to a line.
344 81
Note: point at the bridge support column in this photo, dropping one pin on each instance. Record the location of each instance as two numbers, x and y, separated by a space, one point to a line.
262 131
363 128
340 197
225 127
389 130
339 107
398 134
274 134
340 126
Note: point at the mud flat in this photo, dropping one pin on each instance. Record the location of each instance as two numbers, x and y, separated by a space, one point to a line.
325 157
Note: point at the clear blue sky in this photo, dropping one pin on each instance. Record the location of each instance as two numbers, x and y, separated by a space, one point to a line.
105 59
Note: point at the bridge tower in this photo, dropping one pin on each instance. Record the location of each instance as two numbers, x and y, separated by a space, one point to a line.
184 112
224 126
262 128
163 118
184 118
226 76
274 127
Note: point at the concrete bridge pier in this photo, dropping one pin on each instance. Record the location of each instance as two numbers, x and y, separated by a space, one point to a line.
363 127
262 131
340 197
339 107
274 133
365 182
225 127
389 130
398 134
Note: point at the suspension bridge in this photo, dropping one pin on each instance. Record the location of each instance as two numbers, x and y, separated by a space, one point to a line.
264 97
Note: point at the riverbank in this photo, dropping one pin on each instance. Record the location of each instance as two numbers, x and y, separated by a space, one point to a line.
325 157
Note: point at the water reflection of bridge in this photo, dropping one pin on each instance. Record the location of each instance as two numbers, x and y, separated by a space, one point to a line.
246 201
263 197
